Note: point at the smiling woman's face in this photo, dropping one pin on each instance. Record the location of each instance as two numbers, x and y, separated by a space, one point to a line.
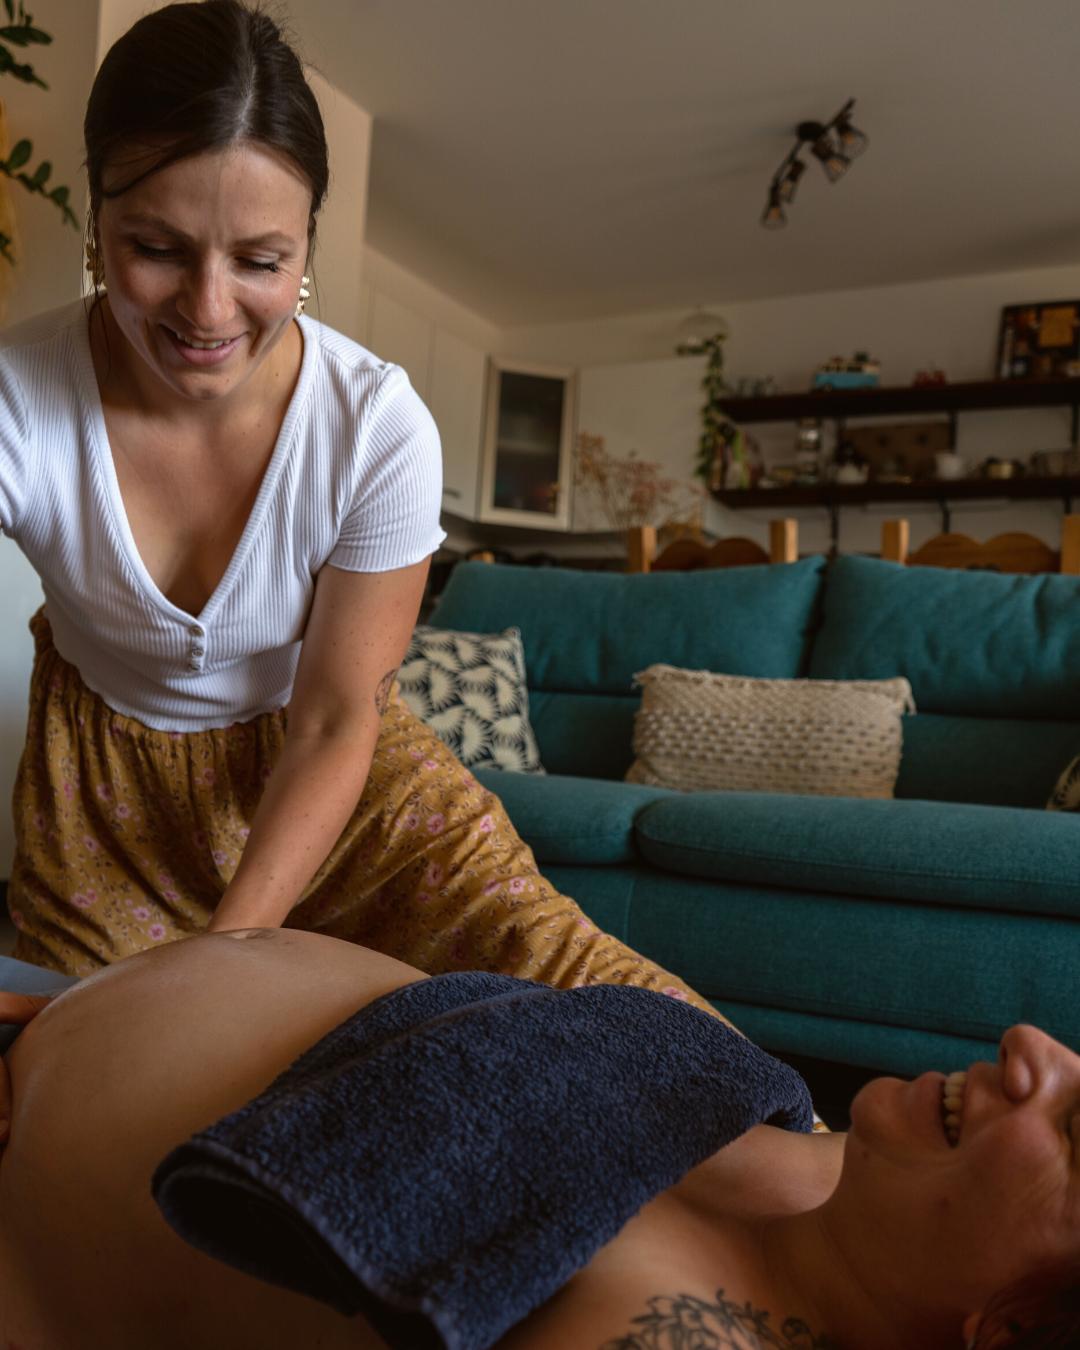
1000 1203
203 264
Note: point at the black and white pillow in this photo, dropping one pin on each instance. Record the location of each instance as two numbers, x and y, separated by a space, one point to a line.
1066 793
469 688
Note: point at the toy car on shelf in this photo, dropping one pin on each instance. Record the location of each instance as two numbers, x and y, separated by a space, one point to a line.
858 372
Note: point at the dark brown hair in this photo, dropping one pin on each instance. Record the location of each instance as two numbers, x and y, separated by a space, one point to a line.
1038 1313
195 77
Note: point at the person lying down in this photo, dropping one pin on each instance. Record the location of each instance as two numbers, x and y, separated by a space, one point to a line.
270 1138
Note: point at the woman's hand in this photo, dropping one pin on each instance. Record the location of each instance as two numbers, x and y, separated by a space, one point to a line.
15 1010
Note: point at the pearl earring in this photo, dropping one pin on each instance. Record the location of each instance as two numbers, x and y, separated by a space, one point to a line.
304 295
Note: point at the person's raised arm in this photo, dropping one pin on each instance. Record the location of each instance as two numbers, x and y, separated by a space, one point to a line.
356 636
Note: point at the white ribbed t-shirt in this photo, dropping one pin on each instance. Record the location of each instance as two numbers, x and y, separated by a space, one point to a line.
355 479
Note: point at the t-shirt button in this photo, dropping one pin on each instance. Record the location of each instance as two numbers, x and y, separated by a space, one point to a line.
195 630
197 651
194 665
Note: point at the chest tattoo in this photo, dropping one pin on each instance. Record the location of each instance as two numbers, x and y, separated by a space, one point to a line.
683 1322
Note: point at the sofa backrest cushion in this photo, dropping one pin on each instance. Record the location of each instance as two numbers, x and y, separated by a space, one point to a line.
586 635
977 644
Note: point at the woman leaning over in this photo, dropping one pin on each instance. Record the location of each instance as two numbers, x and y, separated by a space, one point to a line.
232 510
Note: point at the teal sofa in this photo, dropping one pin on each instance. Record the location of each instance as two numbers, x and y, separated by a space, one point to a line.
889 934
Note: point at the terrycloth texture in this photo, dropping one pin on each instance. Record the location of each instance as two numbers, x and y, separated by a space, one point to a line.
448 1157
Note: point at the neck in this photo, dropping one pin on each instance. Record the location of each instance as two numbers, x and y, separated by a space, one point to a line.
853 1292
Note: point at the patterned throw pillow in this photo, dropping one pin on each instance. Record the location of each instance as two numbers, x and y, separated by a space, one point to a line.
701 732
1066 793
470 690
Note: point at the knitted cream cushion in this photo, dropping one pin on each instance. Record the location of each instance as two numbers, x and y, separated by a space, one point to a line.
702 732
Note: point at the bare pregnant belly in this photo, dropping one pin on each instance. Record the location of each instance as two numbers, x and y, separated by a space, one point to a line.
106 1081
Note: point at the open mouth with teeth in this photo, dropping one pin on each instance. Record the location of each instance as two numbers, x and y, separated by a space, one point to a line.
952 1105
201 346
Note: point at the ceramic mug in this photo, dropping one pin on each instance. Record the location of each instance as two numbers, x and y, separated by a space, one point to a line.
948 464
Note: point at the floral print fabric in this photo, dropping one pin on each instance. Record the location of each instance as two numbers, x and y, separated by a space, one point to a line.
127 837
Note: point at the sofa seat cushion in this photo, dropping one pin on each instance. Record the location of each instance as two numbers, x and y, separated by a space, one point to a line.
942 853
572 820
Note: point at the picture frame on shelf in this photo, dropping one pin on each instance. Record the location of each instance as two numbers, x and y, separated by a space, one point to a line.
1039 341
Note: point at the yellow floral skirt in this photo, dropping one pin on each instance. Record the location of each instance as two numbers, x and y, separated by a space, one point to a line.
126 837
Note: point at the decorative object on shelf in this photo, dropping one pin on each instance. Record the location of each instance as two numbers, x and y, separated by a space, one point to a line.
948 465
808 449
860 372
700 332
899 452
20 32
834 144
718 433
1039 341
1055 463
633 491
1001 468
932 375
849 465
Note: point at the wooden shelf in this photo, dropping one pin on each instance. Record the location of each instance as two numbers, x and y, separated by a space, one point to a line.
932 490
930 398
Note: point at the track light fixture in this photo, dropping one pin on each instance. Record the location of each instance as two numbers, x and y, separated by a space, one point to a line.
834 144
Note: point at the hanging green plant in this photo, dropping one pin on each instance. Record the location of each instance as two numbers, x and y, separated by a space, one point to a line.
19 31
717 431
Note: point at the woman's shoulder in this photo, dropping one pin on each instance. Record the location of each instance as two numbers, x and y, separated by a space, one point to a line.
49 327
347 372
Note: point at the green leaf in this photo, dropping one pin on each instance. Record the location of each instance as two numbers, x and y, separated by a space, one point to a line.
18 157
41 174
23 36
10 10
8 66
59 195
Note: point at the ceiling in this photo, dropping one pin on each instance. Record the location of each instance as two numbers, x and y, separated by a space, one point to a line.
552 160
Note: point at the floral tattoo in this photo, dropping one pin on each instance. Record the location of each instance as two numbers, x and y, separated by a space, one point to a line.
683 1322
382 693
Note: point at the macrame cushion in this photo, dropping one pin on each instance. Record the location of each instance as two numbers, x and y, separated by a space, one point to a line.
470 690
701 732
1066 793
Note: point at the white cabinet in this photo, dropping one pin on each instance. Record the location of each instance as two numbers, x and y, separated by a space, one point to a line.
528 459
399 334
456 400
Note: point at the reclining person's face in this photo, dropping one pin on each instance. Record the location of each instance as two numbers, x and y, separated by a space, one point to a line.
966 1212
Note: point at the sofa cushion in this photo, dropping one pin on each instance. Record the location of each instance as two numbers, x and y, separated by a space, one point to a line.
572 820
590 631
975 643
909 973
998 761
469 688
590 735
697 731
985 857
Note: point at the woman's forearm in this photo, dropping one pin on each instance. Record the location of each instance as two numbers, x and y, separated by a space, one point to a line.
308 799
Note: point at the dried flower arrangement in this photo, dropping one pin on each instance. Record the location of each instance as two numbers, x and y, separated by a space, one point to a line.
633 491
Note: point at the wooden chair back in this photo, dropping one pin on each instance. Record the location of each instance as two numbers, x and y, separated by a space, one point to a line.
689 555
1014 551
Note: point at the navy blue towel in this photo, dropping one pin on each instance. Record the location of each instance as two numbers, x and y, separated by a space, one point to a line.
449 1156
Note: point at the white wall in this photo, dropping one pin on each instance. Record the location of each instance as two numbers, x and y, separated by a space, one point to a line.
951 323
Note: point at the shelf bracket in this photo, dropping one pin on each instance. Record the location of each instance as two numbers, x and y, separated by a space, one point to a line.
946 514
1075 425
952 430
834 527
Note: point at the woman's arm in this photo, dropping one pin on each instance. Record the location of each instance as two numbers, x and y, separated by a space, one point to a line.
15 1010
357 633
